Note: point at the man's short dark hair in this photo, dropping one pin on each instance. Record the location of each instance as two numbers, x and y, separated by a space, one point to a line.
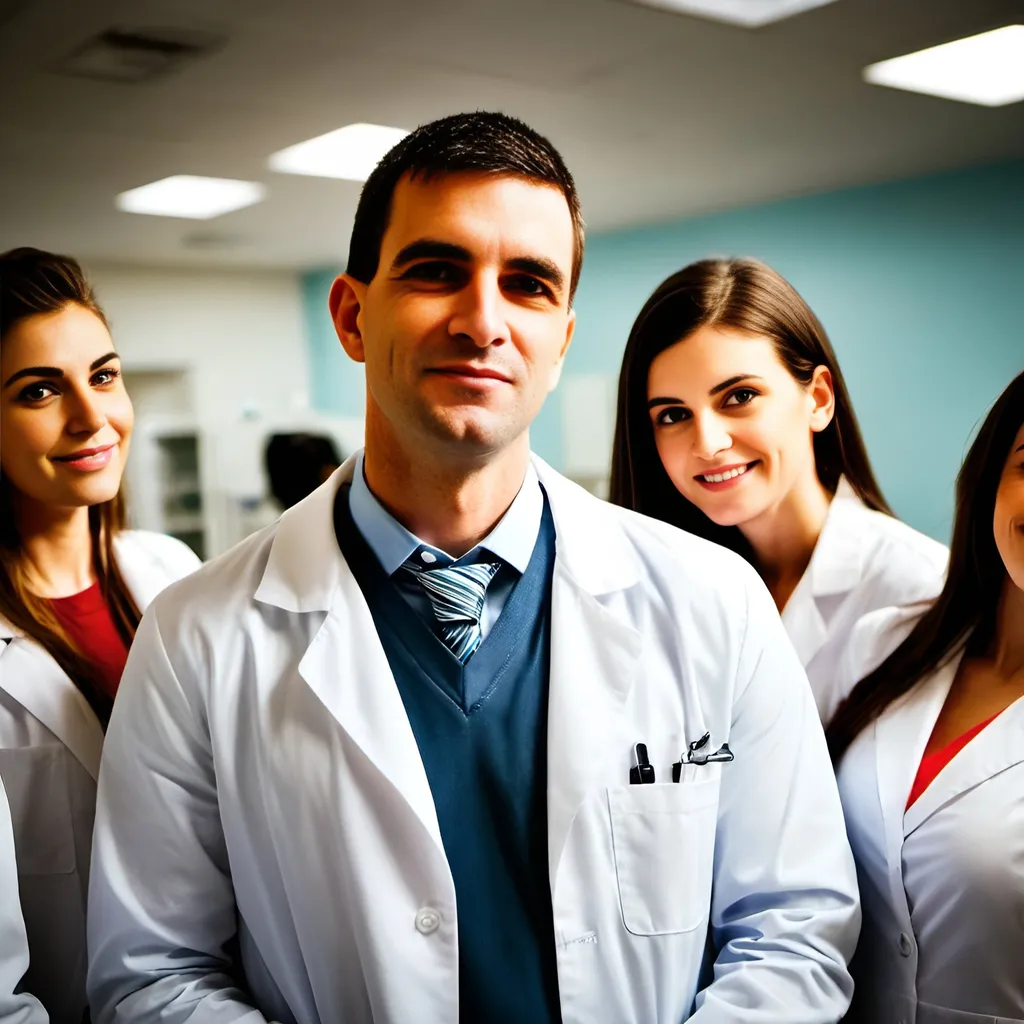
485 142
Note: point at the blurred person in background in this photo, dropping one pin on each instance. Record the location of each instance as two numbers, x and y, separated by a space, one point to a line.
369 764
297 464
73 584
734 423
16 1005
929 747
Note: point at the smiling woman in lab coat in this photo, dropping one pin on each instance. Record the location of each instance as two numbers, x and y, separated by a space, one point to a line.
734 423
930 749
72 586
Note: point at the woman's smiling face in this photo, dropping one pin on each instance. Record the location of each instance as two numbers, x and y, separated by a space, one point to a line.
65 415
733 428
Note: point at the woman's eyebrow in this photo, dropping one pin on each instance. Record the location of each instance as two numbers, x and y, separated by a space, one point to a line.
719 388
54 372
652 402
34 371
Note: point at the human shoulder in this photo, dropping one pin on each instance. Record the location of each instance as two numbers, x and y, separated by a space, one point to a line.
907 564
218 588
673 564
170 552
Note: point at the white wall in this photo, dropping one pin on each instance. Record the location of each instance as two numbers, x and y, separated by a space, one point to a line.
238 340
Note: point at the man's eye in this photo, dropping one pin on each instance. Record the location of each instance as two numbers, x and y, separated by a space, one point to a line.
443 273
527 285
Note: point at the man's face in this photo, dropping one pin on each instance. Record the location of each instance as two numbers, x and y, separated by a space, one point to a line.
465 325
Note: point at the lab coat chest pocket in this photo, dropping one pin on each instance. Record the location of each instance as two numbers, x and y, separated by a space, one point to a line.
663 836
37 789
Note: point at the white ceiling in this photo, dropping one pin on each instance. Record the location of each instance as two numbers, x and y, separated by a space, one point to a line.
659 116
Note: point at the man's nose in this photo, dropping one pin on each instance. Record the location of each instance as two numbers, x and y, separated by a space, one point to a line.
479 315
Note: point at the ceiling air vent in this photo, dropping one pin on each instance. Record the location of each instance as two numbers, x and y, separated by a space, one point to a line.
138 54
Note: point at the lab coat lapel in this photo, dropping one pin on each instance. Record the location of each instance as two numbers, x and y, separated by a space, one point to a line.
32 678
901 735
345 664
595 655
346 667
1000 745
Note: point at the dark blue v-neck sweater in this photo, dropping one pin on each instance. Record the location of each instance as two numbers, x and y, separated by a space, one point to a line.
481 731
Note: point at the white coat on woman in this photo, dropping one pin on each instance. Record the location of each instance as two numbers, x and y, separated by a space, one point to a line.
942 882
864 560
50 743
16 1006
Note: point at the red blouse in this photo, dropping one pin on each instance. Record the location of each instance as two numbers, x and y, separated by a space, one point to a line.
87 620
933 763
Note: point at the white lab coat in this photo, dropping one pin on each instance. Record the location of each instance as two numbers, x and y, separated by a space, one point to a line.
864 560
260 757
16 1007
943 881
50 742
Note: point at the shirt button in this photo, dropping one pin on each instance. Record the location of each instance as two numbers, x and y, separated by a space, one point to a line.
428 557
906 946
427 921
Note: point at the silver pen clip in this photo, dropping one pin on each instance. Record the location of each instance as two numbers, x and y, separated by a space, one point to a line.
696 754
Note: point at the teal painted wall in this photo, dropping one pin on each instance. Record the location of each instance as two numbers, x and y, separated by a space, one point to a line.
920 284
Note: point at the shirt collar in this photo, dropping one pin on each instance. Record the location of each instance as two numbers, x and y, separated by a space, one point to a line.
512 539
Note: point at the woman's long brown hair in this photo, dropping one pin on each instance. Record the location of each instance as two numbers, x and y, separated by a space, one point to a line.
747 296
964 613
34 282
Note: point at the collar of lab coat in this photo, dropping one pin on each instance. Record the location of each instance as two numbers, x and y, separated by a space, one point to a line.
901 735
595 650
30 675
302 577
835 568
997 747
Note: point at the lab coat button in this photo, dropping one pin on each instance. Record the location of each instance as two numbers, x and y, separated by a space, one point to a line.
906 946
427 921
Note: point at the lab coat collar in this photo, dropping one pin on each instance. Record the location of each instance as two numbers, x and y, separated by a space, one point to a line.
305 568
835 568
997 747
901 735
837 563
594 651
30 675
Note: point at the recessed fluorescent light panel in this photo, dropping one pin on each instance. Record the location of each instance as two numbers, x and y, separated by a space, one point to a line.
185 195
987 69
748 13
351 152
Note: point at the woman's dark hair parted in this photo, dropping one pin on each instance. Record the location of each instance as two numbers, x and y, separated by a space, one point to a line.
748 296
964 614
488 143
34 283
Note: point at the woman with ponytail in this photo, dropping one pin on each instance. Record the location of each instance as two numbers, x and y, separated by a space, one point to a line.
929 747
73 583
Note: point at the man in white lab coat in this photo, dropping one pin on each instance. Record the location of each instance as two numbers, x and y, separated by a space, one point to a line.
454 740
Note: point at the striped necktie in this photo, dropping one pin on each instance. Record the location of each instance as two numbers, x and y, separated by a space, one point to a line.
457 594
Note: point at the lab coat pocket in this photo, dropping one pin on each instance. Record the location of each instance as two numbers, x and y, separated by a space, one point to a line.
663 837
37 789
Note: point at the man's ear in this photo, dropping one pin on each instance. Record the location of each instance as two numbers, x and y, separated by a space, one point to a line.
346 306
823 396
556 373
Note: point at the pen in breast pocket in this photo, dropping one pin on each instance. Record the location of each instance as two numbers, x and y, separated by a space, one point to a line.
642 771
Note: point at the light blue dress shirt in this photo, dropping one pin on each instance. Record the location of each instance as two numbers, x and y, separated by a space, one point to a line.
511 542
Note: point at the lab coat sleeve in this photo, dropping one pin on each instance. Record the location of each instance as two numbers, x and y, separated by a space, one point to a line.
15 1007
785 912
161 904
